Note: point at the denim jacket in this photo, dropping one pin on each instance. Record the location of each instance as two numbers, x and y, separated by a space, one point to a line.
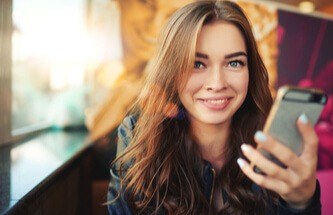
120 206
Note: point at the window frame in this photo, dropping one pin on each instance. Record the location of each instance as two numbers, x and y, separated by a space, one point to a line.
7 134
6 27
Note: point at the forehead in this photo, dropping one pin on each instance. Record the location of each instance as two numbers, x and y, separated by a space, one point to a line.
220 37
221 32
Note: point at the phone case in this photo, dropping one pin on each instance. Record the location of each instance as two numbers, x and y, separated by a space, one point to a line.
289 104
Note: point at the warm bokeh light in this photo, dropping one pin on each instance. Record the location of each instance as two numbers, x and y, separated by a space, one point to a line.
58 47
306 6
55 33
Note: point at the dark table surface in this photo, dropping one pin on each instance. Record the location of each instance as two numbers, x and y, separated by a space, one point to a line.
26 165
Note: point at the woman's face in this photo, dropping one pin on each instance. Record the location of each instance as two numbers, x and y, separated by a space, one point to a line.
219 81
141 22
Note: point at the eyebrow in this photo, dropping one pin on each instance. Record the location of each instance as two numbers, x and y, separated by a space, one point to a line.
200 55
228 56
236 54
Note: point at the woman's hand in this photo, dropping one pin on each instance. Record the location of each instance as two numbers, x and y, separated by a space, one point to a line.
297 183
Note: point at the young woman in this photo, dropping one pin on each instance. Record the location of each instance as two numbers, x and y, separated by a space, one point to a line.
202 108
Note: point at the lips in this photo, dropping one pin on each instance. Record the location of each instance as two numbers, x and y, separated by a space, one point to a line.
216 103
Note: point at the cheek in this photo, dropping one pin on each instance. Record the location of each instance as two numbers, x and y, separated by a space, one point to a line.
194 84
242 82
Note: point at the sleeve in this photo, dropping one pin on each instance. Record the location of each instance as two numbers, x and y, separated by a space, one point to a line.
117 204
314 207
116 200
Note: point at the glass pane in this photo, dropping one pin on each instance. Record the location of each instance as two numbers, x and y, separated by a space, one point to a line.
50 46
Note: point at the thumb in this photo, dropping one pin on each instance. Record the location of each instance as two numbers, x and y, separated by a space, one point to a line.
309 136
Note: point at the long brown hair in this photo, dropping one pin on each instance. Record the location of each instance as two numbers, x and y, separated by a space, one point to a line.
166 168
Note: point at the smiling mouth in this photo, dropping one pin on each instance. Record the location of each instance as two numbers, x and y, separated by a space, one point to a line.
216 104
216 101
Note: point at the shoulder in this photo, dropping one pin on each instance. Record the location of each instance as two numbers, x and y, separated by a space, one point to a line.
117 203
125 132
127 126
129 122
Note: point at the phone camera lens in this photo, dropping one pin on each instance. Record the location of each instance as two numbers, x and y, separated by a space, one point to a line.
316 97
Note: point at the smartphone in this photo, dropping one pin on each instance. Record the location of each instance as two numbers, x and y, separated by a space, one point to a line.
289 104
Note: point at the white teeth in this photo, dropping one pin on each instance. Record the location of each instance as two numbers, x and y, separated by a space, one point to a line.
217 101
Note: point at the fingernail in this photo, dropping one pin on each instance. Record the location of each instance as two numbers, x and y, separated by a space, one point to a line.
245 147
303 118
260 136
241 163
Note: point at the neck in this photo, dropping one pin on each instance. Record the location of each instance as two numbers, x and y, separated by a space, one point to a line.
212 141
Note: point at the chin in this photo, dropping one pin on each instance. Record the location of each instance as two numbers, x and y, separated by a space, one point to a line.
214 120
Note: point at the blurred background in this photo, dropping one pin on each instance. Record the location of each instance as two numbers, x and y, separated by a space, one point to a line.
80 63
67 56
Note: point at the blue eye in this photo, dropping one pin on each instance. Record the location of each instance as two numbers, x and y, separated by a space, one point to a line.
236 63
198 65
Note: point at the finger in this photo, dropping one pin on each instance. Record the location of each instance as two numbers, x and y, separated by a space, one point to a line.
268 167
278 150
264 181
310 138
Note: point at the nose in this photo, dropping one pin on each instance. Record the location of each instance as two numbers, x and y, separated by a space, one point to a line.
216 80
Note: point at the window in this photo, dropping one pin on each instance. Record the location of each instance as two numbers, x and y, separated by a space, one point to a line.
49 54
